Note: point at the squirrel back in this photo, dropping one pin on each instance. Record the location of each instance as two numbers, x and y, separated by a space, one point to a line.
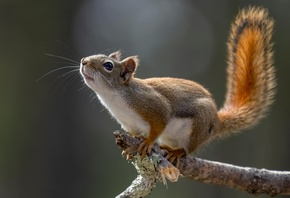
251 75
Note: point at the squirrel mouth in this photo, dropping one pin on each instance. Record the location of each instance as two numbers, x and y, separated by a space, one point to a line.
88 77
87 73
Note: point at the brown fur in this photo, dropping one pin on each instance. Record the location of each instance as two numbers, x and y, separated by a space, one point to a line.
158 101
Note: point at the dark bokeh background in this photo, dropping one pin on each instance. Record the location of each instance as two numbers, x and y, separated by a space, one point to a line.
56 139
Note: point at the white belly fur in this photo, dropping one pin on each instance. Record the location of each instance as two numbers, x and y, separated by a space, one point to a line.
176 133
124 114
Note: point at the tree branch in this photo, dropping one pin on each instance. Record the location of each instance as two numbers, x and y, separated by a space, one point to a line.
156 168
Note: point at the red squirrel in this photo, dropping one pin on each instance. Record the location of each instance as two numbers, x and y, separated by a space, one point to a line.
180 114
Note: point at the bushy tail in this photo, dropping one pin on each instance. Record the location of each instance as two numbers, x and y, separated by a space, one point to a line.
251 75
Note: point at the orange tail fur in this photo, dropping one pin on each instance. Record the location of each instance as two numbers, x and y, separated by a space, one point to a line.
251 75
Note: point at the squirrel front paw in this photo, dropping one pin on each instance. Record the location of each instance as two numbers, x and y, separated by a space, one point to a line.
145 147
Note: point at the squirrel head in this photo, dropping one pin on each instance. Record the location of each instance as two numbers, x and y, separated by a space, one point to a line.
101 71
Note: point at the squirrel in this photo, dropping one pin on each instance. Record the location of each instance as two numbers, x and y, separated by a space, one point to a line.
181 114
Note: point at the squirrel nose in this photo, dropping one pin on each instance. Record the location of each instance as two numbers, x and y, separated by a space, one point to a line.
84 61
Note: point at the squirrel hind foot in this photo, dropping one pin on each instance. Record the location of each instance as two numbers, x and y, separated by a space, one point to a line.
174 155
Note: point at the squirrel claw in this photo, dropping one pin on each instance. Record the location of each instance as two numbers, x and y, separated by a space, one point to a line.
173 159
145 147
174 155
128 155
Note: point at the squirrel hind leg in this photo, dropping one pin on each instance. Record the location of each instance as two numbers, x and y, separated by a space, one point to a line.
174 154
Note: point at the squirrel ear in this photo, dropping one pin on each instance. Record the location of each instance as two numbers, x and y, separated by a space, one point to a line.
116 55
130 65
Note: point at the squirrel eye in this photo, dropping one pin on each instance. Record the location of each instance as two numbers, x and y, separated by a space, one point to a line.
108 66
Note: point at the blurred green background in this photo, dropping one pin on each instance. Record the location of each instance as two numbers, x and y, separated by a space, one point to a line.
56 139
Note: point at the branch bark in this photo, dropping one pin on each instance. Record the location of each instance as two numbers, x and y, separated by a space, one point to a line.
155 168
